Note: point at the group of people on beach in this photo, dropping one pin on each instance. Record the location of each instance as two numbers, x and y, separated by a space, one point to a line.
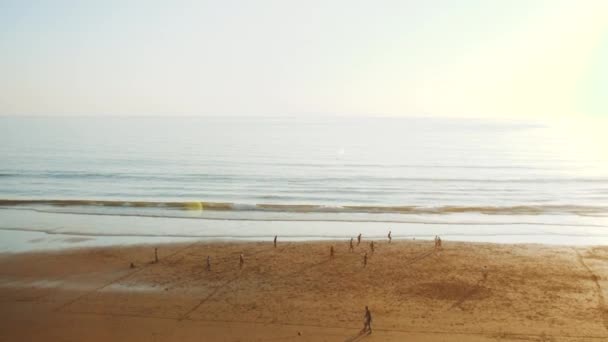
437 242
332 251
367 321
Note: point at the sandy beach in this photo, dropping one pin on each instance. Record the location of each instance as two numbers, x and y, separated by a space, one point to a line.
465 291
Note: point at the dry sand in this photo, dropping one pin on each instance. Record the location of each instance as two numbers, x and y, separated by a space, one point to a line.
296 292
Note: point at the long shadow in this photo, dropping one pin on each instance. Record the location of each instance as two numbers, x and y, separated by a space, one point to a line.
219 288
360 335
204 300
121 278
420 256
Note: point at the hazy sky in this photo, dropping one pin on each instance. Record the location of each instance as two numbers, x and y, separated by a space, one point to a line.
459 57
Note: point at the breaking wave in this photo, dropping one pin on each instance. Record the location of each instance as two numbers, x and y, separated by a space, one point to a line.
582 210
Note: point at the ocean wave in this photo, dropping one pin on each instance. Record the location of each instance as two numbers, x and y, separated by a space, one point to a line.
97 233
316 208
328 219
272 180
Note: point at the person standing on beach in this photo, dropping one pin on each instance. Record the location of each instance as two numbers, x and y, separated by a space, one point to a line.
275 241
367 321
331 251
390 238
351 247
155 255
358 239
365 259
208 263
241 260
371 246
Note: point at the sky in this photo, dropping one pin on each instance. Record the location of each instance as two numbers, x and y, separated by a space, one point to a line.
470 58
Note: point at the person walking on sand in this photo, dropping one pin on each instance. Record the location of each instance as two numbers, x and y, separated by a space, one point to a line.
275 241
358 239
331 251
351 247
208 263
365 259
438 242
390 238
367 321
371 246
155 255
241 260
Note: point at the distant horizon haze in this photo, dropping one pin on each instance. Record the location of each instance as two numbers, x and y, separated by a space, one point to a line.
469 58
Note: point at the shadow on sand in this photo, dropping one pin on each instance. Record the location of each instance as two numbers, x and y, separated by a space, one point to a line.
361 335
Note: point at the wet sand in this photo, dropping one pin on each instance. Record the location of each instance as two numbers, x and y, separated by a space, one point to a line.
466 291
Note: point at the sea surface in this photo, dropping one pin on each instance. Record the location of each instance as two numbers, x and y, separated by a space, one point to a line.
111 180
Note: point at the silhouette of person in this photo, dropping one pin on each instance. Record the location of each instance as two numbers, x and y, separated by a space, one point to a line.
367 321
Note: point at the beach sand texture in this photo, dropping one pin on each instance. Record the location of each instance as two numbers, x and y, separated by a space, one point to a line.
465 291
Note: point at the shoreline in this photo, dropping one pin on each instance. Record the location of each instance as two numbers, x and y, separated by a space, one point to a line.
18 241
415 292
33 240
24 229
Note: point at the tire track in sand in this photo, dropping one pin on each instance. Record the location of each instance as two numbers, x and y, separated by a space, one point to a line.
598 288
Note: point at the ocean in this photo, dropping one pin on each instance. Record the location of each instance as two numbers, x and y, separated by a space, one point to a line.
108 180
